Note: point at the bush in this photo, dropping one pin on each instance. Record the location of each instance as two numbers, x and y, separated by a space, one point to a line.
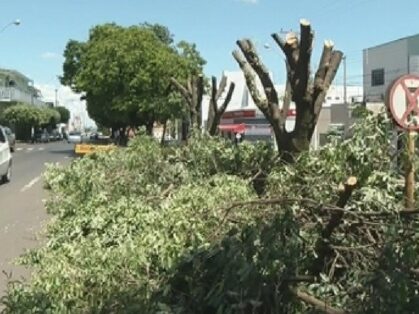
151 229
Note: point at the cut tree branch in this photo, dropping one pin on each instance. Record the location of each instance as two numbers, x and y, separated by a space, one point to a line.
304 56
318 304
249 52
221 88
192 92
249 76
322 246
215 112
270 108
186 94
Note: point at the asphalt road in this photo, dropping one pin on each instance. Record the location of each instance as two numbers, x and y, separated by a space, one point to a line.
22 213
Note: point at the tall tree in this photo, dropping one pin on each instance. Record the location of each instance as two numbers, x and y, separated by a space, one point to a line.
307 94
124 73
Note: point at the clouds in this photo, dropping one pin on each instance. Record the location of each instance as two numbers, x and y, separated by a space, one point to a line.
50 55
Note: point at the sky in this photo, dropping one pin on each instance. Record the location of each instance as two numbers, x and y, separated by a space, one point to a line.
36 46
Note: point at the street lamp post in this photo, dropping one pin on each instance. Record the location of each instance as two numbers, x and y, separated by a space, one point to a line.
15 22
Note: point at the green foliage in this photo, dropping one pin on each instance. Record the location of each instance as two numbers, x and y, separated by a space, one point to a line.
124 73
101 219
151 229
30 115
64 114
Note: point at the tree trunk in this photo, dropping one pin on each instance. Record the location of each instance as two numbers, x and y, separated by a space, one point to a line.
192 92
163 133
215 112
307 96
149 127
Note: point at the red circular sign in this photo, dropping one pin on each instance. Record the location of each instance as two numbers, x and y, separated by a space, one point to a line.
403 102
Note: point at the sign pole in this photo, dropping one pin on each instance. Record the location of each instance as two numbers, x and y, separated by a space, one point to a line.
403 105
410 170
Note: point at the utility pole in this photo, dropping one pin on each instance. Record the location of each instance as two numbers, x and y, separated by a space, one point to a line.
344 79
56 98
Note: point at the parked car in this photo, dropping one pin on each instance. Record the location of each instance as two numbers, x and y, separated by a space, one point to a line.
74 137
11 138
42 137
55 136
5 157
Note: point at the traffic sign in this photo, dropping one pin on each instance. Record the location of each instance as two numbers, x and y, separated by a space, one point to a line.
403 102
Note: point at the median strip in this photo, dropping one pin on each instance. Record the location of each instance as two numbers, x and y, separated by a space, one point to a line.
30 184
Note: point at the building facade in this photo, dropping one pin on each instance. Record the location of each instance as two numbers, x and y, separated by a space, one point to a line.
384 63
242 114
17 88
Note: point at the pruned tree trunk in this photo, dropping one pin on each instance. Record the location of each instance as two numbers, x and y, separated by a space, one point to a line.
215 112
308 95
163 135
149 127
192 92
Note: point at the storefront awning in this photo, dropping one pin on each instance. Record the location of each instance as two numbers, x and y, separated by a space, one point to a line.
235 128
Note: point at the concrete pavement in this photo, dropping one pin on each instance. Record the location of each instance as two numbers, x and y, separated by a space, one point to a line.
22 213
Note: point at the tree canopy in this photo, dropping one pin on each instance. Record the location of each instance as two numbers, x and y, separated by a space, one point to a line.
64 114
124 73
29 115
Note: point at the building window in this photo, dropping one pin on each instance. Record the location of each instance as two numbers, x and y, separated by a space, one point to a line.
377 77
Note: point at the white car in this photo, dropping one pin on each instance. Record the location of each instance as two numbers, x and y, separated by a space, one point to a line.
5 157
74 137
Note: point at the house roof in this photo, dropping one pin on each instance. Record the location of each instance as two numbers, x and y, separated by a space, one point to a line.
392 41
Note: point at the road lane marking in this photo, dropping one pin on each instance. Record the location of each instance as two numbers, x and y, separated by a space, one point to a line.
19 149
30 184
41 148
30 148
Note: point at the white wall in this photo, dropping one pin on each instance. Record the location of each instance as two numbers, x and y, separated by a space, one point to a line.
393 58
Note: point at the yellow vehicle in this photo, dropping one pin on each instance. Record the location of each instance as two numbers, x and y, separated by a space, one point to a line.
92 145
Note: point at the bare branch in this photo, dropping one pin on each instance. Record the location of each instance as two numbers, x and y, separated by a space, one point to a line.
215 113
251 81
324 65
249 52
221 88
288 46
322 249
189 84
286 101
335 59
200 93
185 93
214 88
227 99
304 56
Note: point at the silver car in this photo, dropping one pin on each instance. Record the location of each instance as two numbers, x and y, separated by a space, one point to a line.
5 157
74 137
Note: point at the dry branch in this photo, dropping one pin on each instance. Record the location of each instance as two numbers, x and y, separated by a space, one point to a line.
192 92
323 250
215 112
318 304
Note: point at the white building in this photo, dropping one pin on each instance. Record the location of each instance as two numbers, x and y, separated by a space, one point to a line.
384 63
242 108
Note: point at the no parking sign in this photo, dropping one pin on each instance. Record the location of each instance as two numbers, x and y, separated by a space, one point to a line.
403 102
